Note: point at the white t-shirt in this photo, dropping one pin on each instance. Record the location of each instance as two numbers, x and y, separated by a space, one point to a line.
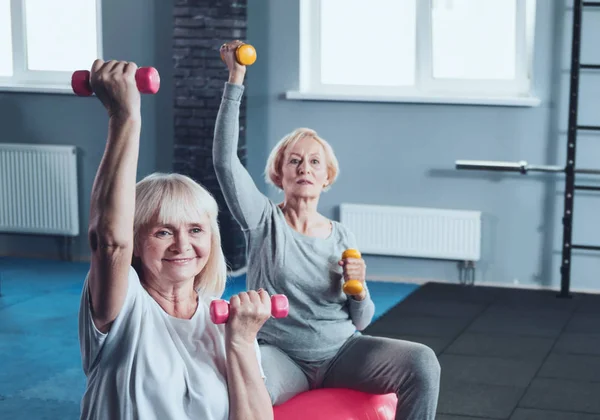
151 365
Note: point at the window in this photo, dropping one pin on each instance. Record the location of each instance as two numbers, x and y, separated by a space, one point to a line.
42 42
465 51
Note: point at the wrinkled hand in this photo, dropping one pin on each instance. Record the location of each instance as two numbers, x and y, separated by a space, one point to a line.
248 311
114 84
237 71
355 269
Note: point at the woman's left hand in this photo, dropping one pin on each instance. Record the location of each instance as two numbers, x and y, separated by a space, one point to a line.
355 269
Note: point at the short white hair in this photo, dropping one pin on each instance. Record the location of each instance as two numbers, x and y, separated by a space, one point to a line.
273 169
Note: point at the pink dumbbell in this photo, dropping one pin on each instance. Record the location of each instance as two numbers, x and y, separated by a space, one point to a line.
146 78
219 309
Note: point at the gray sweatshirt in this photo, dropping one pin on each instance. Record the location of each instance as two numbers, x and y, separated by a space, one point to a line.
282 260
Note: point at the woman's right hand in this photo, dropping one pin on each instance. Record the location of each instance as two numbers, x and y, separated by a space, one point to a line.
237 71
114 84
248 311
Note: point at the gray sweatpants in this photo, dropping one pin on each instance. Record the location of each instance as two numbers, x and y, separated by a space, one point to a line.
375 365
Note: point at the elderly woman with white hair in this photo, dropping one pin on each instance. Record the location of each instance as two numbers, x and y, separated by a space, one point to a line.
293 249
149 348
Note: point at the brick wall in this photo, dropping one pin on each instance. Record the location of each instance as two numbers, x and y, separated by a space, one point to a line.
200 27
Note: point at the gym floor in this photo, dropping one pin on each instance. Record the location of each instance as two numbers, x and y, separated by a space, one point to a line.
505 353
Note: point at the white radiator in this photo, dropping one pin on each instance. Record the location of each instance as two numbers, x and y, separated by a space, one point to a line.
414 231
38 189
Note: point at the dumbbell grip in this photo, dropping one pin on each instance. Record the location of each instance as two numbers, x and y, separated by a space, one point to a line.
147 80
245 54
219 309
352 287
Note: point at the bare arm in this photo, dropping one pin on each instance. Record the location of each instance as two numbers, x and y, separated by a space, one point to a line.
248 396
113 194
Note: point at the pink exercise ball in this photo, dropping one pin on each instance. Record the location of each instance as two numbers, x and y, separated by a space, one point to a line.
337 404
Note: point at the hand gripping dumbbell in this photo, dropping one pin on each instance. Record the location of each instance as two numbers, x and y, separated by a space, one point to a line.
352 287
219 309
147 80
245 55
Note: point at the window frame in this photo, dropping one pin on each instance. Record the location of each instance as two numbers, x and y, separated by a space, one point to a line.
38 81
516 92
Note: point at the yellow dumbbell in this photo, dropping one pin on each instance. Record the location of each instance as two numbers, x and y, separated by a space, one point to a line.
245 55
352 287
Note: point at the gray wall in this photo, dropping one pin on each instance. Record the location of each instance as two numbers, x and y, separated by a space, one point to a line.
415 146
135 30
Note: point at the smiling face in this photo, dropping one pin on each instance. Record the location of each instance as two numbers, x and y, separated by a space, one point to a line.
176 234
174 253
304 169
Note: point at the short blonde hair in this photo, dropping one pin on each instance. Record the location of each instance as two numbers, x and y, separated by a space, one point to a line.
174 199
275 161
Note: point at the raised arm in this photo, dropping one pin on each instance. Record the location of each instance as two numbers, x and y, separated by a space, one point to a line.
113 194
245 201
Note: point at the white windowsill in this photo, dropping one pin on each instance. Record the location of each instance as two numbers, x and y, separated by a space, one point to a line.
520 101
38 88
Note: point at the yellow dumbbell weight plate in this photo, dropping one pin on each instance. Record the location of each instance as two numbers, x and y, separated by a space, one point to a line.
353 287
245 54
351 253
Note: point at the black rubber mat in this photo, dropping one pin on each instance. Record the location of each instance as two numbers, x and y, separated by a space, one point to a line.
505 353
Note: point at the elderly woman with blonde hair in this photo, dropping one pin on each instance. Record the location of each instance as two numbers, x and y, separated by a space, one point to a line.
293 249
149 348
